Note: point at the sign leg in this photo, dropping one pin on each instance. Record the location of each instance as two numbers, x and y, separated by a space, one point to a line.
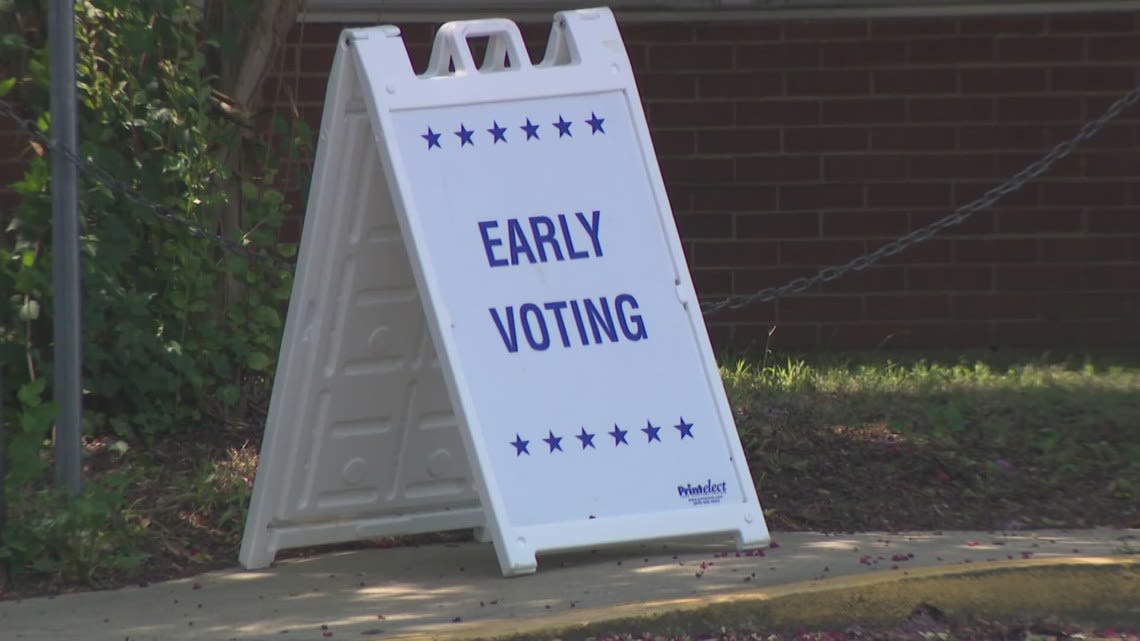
753 535
517 557
255 551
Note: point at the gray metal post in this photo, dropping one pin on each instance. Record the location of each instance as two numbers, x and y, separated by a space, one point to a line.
3 464
3 470
65 245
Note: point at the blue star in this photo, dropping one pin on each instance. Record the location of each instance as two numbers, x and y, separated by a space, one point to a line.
520 445
595 123
651 432
464 136
498 132
530 128
563 127
555 442
432 138
686 429
586 438
619 435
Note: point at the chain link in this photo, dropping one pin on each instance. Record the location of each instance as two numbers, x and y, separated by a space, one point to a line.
987 200
825 275
132 196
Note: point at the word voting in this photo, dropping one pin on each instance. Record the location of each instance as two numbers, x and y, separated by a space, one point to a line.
566 322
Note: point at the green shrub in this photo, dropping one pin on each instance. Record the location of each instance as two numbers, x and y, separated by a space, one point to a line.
166 349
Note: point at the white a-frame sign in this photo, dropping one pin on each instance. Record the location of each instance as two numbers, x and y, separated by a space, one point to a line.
493 324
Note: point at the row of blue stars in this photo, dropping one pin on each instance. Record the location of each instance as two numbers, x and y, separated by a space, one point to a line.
586 439
499 133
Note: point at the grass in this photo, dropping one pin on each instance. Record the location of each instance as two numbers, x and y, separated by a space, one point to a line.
866 441
952 440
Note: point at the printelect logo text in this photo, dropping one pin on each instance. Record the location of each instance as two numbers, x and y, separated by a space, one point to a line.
707 489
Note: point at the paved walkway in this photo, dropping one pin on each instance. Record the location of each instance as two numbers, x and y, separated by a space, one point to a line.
456 591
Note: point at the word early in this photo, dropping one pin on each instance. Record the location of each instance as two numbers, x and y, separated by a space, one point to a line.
565 322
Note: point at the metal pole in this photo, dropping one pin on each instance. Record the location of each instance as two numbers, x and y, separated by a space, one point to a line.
3 466
65 244
3 473
5 565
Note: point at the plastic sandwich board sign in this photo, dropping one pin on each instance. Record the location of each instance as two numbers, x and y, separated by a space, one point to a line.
492 323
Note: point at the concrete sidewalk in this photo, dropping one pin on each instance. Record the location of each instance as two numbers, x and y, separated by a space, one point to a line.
456 591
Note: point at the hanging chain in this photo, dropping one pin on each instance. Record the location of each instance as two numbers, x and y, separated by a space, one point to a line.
985 201
826 275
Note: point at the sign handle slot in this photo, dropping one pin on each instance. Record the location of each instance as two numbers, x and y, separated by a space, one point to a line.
452 49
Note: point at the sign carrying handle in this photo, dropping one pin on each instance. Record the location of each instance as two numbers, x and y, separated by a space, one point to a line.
451 49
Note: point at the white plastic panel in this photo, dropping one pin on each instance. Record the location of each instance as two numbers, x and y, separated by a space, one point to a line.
361 432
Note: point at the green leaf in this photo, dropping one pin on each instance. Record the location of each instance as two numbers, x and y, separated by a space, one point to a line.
12 41
267 315
249 190
31 393
37 421
6 86
230 394
25 461
258 361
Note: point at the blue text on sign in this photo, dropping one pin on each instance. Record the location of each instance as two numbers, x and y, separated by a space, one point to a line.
591 320
541 239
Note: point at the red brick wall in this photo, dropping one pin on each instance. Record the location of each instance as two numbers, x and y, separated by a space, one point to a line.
790 146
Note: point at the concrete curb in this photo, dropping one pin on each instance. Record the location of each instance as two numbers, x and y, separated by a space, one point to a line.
1094 589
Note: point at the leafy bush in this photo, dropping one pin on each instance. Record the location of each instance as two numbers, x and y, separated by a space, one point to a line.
167 343
89 539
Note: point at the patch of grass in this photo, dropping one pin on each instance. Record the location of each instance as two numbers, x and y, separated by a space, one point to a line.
199 507
969 440
142 516
89 540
